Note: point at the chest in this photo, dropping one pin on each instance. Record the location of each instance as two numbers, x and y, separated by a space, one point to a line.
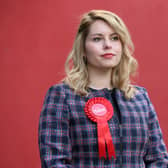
133 126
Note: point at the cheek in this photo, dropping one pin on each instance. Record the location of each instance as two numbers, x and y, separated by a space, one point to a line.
119 51
118 47
91 50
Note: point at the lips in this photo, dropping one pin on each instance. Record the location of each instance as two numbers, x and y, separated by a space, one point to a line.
108 55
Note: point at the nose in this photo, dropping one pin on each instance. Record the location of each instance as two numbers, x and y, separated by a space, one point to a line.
107 44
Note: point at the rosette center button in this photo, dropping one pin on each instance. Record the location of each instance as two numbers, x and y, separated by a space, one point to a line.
99 109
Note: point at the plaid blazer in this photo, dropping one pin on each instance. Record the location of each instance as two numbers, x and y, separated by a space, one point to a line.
68 138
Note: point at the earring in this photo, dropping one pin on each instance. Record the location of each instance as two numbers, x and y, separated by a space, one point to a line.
85 59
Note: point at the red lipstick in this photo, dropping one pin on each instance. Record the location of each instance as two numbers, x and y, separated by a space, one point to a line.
108 55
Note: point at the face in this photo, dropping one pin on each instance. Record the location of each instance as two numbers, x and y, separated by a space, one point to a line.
103 47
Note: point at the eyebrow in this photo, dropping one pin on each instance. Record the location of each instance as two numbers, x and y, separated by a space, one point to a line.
100 34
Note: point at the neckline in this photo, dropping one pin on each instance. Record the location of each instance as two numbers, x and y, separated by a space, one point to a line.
103 89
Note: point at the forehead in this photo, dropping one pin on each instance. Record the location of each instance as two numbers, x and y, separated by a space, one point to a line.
100 27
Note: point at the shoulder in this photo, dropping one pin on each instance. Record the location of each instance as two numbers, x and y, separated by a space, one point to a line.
59 88
140 89
141 93
56 93
59 91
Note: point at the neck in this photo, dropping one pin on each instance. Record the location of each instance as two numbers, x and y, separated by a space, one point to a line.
99 79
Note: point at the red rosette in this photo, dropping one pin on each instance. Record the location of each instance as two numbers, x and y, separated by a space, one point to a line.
100 110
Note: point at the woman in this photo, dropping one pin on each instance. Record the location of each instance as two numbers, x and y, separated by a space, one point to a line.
96 117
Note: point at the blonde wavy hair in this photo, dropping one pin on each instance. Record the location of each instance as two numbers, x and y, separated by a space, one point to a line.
77 76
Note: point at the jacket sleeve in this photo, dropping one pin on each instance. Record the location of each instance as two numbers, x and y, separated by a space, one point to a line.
156 155
54 140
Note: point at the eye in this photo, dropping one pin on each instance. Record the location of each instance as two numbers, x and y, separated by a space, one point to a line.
96 39
115 38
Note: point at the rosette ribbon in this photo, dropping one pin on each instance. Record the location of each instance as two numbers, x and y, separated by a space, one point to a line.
100 110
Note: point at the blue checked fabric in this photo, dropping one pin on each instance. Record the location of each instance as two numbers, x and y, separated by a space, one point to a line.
68 138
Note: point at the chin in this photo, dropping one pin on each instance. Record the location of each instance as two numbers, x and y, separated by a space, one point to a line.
110 66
